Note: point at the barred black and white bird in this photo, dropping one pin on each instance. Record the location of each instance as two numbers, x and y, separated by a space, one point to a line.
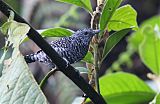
72 48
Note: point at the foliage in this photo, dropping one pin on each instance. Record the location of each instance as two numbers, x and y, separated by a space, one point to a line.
57 32
145 39
145 42
122 86
17 81
124 17
108 11
82 3
113 40
150 42
158 99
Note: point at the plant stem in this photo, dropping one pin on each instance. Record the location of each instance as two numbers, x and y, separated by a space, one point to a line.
94 25
96 67
44 80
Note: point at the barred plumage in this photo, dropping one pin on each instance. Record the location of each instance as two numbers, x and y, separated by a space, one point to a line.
73 48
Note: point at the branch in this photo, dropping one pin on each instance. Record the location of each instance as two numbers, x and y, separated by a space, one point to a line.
68 70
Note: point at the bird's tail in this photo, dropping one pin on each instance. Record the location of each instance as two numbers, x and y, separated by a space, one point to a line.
29 58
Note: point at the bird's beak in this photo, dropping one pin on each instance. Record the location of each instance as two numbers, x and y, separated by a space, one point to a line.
96 31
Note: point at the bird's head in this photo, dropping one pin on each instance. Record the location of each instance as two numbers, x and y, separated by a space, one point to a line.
85 34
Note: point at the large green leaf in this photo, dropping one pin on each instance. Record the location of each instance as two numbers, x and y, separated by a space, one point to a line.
125 88
82 3
124 17
17 82
108 10
54 32
18 85
113 40
150 48
57 32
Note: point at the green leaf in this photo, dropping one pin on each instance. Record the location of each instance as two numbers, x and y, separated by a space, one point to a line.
150 48
124 17
152 21
53 32
86 4
17 82
125 88
113 40
108 11
57 32
18 85
88 58
16 31
136 38
158 99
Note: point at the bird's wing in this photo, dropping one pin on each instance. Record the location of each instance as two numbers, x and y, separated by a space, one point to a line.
66 48
62 43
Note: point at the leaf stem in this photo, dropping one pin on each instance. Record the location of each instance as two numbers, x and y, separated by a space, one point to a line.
96 68
44 80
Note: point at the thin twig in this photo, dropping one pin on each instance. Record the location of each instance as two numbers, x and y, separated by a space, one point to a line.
96 68
44 80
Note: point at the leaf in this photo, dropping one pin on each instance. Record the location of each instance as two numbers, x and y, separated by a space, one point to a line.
158 99
136 38
152 21
124 17
82 3
88 58
149 49
108 11
18 85
125 88
113 40
57 32
17 82
15 30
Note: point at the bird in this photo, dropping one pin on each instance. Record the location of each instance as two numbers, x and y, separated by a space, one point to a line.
73 48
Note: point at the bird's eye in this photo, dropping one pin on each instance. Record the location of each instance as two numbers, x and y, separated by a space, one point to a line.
85 33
